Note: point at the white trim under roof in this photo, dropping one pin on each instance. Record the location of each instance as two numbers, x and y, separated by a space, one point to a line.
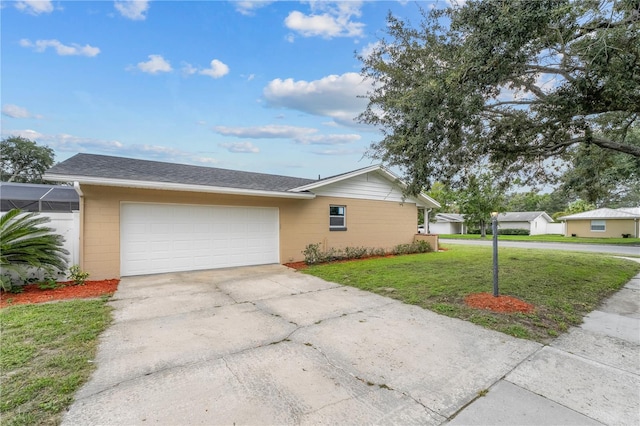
172 186
375 168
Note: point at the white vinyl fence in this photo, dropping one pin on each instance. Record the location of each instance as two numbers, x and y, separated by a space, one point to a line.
555 228
66 224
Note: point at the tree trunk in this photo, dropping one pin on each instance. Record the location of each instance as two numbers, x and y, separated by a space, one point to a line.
483 231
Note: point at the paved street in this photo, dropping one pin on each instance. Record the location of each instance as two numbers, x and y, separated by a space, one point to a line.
594 248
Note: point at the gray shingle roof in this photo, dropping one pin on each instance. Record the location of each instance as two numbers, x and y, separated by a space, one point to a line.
518 216
450 217
108 167
603 213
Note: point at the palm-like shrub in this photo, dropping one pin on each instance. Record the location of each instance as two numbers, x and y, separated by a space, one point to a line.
24 243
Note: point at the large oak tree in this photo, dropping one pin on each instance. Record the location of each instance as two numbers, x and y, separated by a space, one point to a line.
22 160
510 85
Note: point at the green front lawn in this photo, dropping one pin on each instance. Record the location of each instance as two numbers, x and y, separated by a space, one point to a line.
547 238
46 355
563 286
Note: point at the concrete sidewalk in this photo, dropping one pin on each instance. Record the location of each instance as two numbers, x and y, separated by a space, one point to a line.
267 345
591 375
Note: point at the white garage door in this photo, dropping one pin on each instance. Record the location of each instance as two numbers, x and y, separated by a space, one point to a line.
158 238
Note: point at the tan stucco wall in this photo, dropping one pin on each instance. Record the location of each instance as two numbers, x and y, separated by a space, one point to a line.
614 228
432 239
377 224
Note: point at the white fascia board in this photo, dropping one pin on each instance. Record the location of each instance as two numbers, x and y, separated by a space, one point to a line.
324 182
170 186
423 200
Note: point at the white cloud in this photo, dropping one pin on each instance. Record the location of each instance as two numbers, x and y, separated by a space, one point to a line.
456 3
216 69
367 50
271 131
335 139
154 65
132 9
61 49
68 143
189 69
241 147
301 135
249 7
34 7
73 144
337 96
327 19
338 152
15 111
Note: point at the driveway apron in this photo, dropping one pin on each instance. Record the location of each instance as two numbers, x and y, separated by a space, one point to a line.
268 345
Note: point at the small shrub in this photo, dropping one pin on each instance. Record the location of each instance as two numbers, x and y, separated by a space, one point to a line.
355 252
415 247
401 249
49 283
422 246
312 254
377 252
5 283
513 232
77 275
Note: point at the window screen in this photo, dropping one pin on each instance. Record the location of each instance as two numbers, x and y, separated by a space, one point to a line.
337 218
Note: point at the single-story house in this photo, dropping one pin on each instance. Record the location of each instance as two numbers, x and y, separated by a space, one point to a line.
448 223
534 222
604 223
142 217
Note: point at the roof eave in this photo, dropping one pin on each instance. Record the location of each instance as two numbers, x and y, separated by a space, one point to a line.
599 218
171 186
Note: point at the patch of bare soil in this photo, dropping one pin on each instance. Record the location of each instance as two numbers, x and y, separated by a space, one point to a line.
502 304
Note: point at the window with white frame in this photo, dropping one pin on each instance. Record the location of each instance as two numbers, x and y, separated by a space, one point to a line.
337 218
598 225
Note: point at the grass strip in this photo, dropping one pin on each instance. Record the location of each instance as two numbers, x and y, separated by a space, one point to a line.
563 286
46 355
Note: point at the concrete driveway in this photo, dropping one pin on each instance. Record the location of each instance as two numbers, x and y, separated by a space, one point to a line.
268 345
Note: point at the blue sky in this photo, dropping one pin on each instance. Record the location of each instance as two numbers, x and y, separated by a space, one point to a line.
263 86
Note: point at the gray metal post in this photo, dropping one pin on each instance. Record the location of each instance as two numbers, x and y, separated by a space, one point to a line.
494 231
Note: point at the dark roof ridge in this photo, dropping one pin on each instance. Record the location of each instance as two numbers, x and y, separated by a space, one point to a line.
112 167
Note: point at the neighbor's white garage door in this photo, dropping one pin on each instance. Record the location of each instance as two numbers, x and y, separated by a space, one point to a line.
158 238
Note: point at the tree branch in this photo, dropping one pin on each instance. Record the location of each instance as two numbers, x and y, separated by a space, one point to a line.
551 70
609 144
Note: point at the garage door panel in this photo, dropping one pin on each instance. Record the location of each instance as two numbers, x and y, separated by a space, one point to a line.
159 238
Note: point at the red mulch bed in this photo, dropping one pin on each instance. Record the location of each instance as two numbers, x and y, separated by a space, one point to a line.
502 304
296 265
32 294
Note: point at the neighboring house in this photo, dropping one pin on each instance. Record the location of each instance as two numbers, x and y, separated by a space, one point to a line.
59 203
448 223
143 217
604 223
534 222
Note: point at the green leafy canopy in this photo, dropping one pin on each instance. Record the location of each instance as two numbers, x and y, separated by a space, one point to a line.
23 160
504 85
